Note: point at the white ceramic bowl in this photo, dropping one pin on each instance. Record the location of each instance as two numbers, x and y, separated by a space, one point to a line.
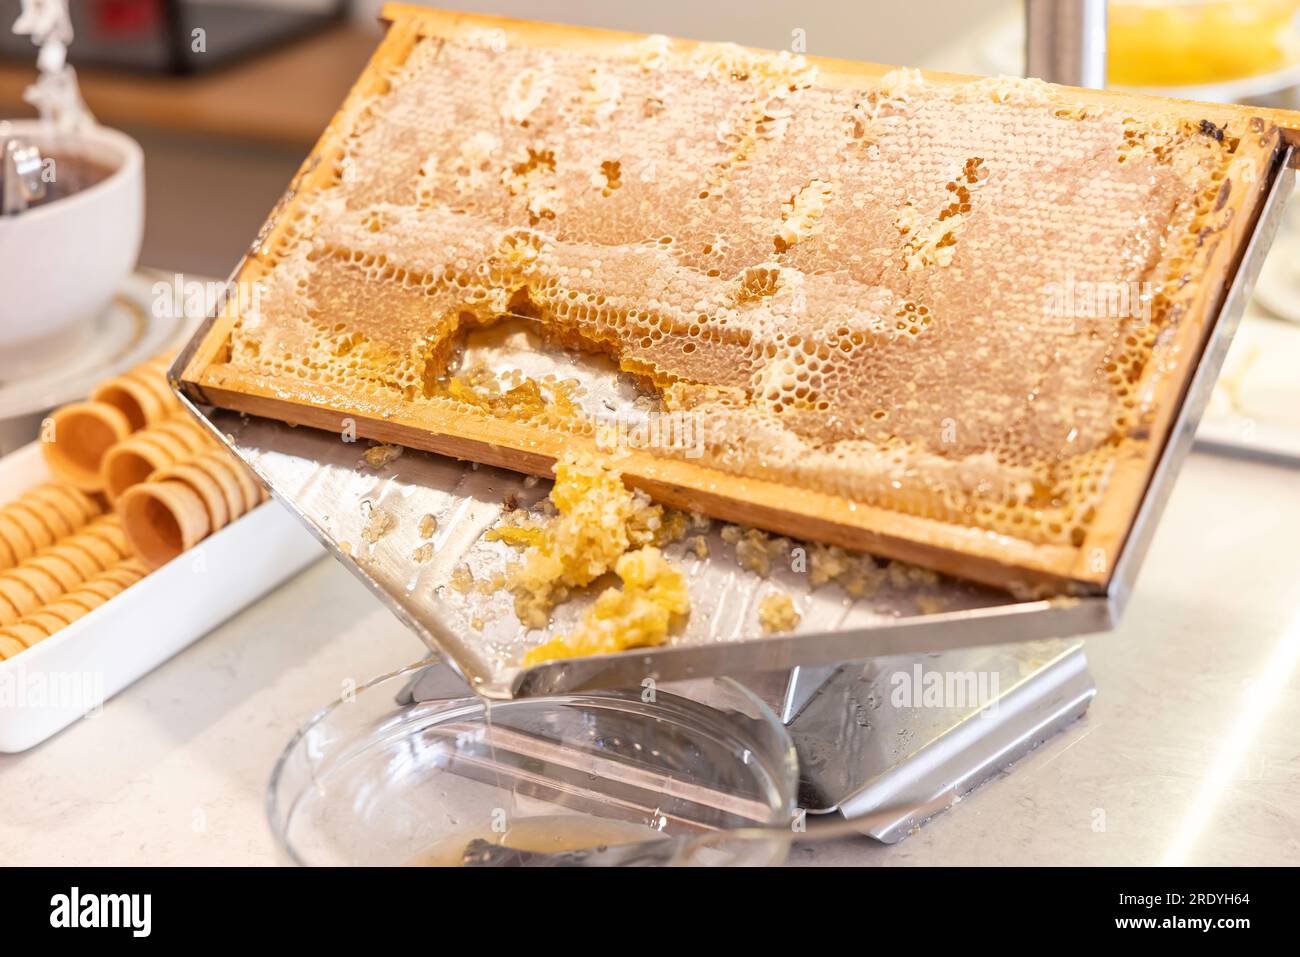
61 262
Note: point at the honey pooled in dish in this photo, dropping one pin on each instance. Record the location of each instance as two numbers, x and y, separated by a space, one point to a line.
866 287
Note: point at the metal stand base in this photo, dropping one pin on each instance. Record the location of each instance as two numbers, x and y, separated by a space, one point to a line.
919 731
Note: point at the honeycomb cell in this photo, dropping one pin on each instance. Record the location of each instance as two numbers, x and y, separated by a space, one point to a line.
936 299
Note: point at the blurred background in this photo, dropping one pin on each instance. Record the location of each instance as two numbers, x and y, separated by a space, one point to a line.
225 128
227 96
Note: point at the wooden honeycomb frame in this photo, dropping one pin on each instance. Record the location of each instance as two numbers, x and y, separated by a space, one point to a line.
968 552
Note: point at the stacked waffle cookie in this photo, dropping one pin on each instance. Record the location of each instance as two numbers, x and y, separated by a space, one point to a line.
40 517
79 436
61 557
134 459
65 550
183 503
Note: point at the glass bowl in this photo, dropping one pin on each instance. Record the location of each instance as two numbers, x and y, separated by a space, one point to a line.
380 779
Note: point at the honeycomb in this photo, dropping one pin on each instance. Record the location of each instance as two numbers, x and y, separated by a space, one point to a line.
776 612
641 613
850 284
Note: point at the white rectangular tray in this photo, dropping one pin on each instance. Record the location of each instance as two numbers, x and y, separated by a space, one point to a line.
76 670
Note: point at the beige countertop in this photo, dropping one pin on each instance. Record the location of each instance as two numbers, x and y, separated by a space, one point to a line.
1191 750
1189 753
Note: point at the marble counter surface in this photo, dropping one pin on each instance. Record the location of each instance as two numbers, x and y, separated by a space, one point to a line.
1190 752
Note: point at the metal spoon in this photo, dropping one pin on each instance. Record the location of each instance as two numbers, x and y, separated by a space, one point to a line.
658 852
670 851
21 175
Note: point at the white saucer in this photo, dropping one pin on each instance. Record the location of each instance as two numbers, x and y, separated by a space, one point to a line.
1278 287
129 331
1255 409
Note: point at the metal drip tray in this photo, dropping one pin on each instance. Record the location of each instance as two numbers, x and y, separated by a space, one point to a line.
326 481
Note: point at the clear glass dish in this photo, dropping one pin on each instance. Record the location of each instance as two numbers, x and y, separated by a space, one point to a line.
373 781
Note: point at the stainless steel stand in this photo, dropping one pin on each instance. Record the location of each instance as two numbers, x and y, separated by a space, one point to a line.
868 737
917 732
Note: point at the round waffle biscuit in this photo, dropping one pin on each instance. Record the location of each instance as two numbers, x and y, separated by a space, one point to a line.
56 567
37 532
219 460
142 395
99 551
18 599
189 433
101 588
84 598
55 504
38 581
83 432
26 633
163 519
125 573
17 540
205 486
109 529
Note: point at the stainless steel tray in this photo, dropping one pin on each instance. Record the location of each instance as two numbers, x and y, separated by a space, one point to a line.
327 483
